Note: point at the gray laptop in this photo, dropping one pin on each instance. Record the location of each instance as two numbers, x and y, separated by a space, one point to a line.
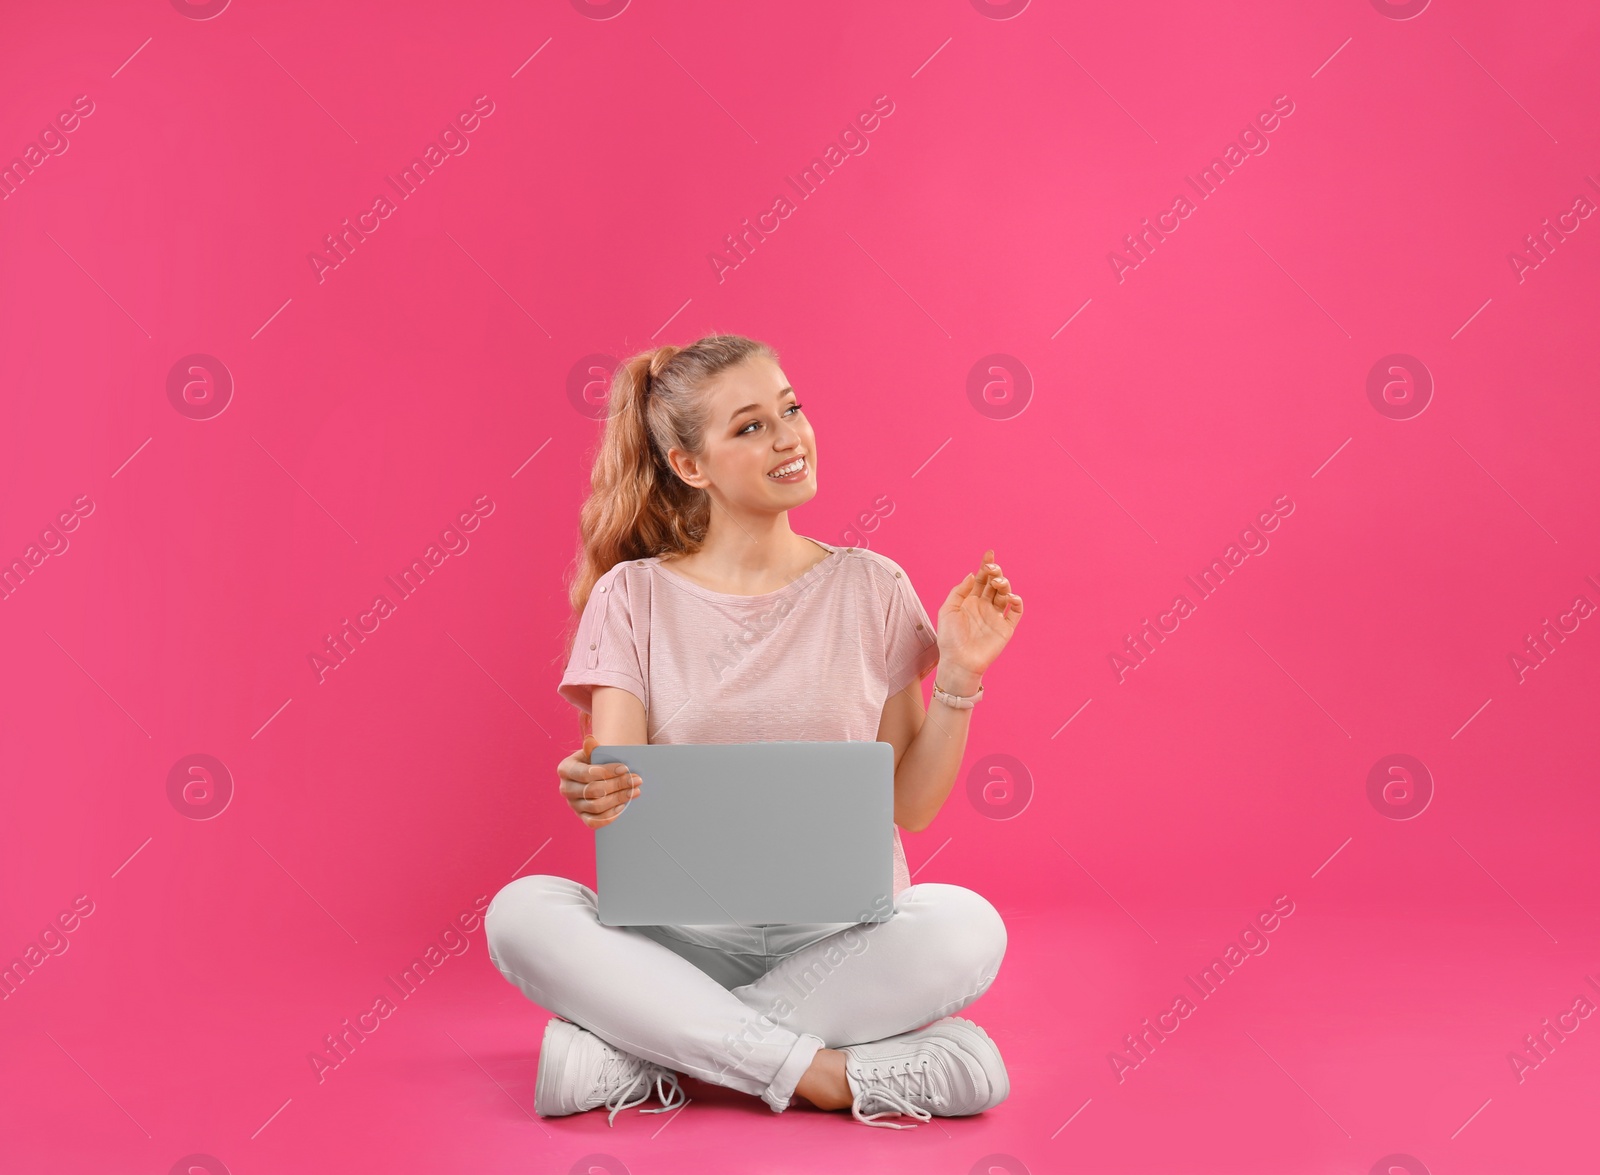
749 833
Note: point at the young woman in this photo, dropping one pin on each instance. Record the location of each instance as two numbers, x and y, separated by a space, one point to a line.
703 618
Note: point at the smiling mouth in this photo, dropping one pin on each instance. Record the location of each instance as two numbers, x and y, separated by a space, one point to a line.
784 472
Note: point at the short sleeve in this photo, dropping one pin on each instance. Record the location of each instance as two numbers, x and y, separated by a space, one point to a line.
910 640
604 651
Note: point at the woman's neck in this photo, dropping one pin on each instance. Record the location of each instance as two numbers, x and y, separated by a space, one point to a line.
745 564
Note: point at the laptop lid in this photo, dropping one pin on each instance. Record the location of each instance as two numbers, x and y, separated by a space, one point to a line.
749 833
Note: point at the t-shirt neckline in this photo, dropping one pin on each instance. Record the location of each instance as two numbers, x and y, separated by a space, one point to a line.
700 590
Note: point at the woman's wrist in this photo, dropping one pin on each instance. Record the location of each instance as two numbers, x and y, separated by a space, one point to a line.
953 679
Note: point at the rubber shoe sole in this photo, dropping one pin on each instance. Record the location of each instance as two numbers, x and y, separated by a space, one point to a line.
554 1051
977 1044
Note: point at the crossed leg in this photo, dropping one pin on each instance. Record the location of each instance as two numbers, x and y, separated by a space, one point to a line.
750 1008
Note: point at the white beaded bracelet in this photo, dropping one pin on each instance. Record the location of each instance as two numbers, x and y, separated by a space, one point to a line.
955 700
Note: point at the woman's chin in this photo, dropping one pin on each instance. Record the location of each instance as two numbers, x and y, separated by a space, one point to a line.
794 493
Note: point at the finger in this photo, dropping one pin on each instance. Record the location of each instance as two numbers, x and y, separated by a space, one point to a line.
978 583
1016 610
612 804
991 570
960 592
579 791
611 810
604 803
615 785
576 782
994 587
604 778
576 793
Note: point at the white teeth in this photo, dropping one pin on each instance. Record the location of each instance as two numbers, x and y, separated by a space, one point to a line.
785 470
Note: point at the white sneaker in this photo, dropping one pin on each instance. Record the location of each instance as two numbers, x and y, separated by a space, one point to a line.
950 1068
579 1071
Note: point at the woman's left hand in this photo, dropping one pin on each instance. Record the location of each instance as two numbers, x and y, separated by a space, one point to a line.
976 621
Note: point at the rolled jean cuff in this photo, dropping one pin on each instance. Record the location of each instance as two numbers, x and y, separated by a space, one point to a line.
778 1094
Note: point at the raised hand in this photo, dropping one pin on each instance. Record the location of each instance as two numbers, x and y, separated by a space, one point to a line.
976 621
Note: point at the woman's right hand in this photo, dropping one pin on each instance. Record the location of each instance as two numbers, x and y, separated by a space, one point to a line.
598 792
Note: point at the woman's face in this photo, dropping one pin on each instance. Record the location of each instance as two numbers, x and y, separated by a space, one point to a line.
756 427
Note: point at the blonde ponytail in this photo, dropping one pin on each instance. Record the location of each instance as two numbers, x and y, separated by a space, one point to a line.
637 506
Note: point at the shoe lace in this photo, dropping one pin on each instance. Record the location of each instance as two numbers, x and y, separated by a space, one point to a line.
890 1091
624 1075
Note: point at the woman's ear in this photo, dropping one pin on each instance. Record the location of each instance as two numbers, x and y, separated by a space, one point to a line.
686 467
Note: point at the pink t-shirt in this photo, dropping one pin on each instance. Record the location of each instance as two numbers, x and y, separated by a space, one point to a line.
815 660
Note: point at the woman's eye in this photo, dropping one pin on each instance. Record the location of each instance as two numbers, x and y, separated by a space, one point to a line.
792 407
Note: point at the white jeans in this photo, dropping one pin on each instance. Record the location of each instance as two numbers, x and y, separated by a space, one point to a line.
744 1007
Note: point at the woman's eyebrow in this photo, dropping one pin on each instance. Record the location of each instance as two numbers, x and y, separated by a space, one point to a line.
748 407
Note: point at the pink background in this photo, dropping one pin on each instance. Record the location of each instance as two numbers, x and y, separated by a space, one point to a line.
443 362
